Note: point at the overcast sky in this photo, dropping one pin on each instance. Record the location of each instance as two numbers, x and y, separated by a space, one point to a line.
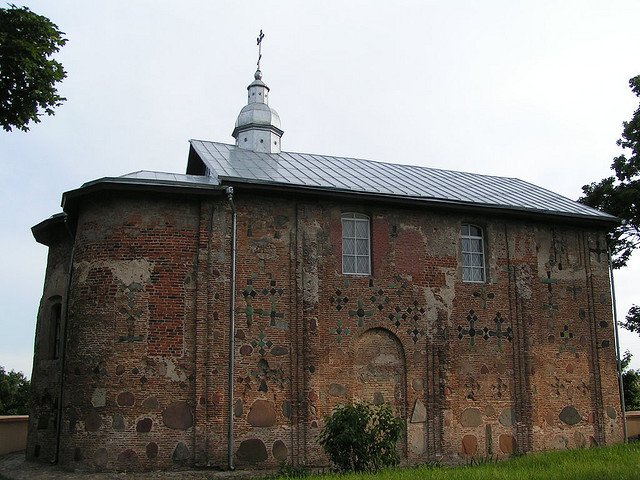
531 89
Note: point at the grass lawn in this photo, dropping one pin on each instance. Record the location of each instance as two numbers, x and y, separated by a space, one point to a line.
617 462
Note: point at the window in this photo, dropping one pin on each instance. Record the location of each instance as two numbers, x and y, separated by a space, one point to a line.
54 332
356 257
472 253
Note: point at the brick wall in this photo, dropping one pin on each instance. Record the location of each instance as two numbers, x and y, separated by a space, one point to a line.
524 361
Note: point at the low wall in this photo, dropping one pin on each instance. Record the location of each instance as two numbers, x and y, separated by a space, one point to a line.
13 433
633 425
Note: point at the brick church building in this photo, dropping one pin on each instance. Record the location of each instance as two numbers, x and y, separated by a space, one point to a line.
213 318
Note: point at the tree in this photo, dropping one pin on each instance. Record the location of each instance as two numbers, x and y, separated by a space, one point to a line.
631 384
361 437
619 195
28 76
14 393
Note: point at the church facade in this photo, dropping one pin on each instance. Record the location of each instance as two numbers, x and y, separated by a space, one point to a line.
214 318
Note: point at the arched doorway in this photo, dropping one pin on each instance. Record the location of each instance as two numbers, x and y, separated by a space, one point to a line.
379 368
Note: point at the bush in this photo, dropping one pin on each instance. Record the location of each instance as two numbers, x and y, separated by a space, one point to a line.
361 437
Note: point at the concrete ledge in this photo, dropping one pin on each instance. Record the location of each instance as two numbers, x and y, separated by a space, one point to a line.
13 433
633 425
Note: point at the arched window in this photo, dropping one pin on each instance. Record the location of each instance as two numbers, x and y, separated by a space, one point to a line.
472 244
356 244
54 330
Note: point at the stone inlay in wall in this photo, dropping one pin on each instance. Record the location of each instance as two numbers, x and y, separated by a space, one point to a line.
507 417
261 343
151 403
340 331
126 399
360 313
471 417
472 318
252 451
379 299
128 459
264 376
570 415
507 444
93 422
181 454
152 450
337 390
280 451
178 416
262 414
419 414
472 387
484 296
238 409
118 422
274 292
99 397
469 445
144 425
566 337
339 301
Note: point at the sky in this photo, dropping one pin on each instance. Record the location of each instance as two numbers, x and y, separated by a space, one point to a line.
532 89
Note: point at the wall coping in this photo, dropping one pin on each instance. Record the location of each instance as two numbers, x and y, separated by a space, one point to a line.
19 418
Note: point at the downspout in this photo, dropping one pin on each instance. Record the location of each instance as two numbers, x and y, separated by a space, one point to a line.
232 325
63 344
617 340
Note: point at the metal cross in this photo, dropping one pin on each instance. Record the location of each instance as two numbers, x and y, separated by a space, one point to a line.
259 43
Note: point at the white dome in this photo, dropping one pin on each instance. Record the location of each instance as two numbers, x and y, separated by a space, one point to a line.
258 114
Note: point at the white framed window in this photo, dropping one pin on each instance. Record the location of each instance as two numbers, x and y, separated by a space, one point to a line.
356 244
472 244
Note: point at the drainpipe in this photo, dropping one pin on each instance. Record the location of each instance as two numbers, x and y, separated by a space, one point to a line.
232 325
63 344
617 340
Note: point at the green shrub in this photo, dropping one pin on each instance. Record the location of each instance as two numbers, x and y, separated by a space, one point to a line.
361 437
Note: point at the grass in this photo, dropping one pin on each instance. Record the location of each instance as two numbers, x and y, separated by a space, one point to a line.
618 462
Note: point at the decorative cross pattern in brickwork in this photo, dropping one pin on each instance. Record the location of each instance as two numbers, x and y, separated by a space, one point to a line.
340 331
498 333
264 375
550 307
360 313
415 315
339 301
132 313
471 331
262 344
598 251
499 388
473 387
474 331
399 285
274 292
379 299
483 295
566 336
397 316
574 291
558 387
249 293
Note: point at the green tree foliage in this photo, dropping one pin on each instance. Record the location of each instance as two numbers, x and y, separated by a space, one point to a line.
631 384
28 76
361 437
619 195
14 393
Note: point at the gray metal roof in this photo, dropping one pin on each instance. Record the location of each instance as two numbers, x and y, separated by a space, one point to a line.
230 163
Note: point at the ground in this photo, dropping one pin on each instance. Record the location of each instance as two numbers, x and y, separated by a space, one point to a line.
14 467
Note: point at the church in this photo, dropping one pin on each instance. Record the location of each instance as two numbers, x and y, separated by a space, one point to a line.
213 318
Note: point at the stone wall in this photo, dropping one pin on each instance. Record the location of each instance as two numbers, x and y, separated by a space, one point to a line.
524 361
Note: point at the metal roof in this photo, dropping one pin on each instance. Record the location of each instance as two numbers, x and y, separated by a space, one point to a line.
230 163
